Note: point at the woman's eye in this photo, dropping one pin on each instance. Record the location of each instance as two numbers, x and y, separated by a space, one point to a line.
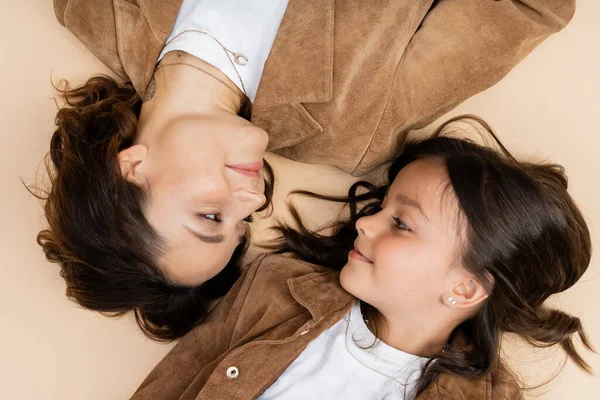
211 217
249 219
400 224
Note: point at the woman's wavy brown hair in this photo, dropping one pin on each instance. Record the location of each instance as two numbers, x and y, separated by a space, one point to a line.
526 241
97 231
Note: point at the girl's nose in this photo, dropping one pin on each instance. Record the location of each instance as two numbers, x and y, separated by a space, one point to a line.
365 226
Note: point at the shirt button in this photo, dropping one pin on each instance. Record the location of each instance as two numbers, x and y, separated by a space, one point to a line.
233 372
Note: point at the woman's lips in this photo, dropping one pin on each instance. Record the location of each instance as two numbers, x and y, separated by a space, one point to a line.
251 170
359 256
247 172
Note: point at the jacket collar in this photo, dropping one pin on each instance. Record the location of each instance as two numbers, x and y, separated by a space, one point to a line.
448 386
320 293
299 70
161 15
141 31
300 65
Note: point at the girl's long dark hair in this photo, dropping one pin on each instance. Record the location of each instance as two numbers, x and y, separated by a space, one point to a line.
97 231
526 241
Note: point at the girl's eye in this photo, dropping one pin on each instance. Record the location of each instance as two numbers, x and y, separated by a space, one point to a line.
211 217
249 219
401 225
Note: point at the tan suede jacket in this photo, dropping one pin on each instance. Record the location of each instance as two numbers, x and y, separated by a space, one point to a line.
345 80
258 329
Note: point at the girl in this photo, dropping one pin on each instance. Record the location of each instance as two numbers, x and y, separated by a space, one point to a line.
464 244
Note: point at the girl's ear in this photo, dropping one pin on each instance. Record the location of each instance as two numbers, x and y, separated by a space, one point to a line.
467 292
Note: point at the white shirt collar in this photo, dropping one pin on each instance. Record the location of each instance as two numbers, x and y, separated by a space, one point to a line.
377 355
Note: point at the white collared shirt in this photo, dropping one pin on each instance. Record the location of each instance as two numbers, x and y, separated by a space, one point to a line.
247 27
342 363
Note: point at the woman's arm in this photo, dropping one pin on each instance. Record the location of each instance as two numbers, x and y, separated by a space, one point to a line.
462 48
466 46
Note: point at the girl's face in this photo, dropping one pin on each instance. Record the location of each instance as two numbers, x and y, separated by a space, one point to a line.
407 256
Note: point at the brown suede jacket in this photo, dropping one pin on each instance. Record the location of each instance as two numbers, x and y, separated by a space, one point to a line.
268 318
345 80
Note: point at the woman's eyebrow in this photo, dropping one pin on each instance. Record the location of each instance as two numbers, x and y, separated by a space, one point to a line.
212 238
206 238
400 198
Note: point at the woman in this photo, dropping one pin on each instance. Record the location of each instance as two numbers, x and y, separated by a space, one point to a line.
463 244
150 198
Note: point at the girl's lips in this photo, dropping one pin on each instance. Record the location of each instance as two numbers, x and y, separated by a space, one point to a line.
357 255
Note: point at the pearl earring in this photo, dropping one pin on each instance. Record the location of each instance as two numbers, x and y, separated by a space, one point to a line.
451 300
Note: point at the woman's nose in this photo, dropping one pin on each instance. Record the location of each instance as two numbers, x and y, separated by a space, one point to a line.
248 201
256 137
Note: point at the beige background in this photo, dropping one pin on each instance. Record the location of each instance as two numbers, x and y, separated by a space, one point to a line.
547 107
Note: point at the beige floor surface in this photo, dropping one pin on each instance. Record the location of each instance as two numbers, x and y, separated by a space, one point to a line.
547 107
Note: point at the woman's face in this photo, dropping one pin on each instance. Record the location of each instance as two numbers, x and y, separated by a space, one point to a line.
204 180
405 255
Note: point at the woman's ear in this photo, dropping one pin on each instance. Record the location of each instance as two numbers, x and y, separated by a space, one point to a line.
131 161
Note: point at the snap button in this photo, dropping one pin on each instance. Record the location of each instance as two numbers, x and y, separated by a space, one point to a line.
304 332
233 372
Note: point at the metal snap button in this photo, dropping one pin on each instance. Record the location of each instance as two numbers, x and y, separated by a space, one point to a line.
233 372
304 332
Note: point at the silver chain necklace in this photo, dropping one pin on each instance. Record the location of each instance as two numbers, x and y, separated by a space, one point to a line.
238 58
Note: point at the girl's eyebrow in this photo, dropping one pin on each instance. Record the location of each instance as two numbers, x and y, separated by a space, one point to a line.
400 198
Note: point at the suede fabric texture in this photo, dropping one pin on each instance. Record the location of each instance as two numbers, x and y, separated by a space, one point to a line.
345 81
268 318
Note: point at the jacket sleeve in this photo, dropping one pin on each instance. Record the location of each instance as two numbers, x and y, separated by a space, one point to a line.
462 48
174 377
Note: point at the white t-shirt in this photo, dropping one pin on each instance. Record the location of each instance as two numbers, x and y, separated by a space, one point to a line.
247 27
334 366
